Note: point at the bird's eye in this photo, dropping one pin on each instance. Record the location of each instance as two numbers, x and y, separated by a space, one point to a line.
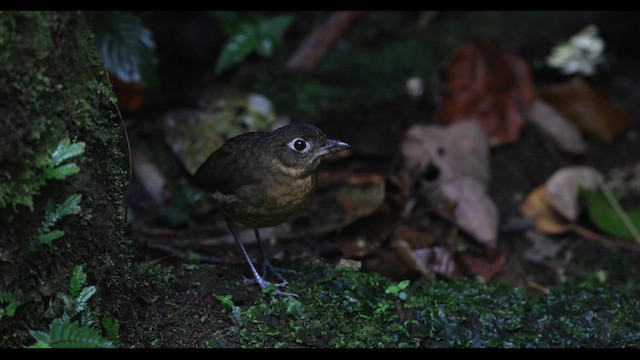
299 145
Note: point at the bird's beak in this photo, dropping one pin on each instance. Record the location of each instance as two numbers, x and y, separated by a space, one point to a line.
332 146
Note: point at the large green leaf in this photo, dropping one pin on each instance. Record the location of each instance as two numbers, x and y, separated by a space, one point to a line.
237 47
605 218
248 33
127 47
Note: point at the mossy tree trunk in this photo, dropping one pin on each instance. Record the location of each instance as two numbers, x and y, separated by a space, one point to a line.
52 87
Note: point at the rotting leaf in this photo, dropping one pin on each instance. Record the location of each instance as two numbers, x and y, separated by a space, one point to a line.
588 109
433 153
483 267
149 176
563 132
486 84
537 206
359 201
473 210
603 215
427 261
563 187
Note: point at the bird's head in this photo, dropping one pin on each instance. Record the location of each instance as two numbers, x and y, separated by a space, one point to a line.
298 148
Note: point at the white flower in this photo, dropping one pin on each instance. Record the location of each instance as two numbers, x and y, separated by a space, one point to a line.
581 54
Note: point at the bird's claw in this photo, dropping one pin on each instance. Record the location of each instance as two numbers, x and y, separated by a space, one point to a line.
264 284
266 266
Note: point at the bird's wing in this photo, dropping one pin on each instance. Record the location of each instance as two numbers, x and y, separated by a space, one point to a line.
231 166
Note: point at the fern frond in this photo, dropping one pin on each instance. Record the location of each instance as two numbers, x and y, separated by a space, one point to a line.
78 278
111 328
62 171
83 298
66 150
48 237
74 335
53 212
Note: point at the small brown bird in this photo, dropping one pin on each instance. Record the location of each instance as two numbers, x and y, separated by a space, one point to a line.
260 179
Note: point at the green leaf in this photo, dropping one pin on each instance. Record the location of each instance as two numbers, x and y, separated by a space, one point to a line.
127 47
238 46
66 150
48 237
78 278
85 295
62 171
229 21
605 218
273 28
249 33
10 309
40 336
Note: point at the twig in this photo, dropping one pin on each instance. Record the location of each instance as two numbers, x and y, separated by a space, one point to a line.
616 206
316 45
602 239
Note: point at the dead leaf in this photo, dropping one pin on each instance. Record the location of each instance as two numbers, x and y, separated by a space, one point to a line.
486 84
537 206
563 187
193 134
483 267
563 132
588 109
351 264
359 201
543 250
434 154
366 234
473 209
149 176
427 261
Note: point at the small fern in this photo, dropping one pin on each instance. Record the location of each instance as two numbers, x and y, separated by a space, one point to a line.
11 305
111 328
68 332
66 150
78 278
20 188
69 335
53 213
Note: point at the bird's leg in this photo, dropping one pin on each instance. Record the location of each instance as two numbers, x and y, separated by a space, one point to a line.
258 279
266 264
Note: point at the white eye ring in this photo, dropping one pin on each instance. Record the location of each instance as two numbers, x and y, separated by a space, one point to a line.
299 145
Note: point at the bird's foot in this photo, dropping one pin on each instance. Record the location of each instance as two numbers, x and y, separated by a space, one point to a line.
266 266
264 284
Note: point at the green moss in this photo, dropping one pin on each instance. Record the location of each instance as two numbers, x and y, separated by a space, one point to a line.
158 276
338 307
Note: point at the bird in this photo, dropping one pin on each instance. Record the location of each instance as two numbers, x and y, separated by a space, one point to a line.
260 179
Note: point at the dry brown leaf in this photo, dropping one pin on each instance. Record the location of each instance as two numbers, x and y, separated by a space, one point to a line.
359 201
482 266
563 132
564 185
489 85
537 207
588 109
432 154
427 261
149 176
473 209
